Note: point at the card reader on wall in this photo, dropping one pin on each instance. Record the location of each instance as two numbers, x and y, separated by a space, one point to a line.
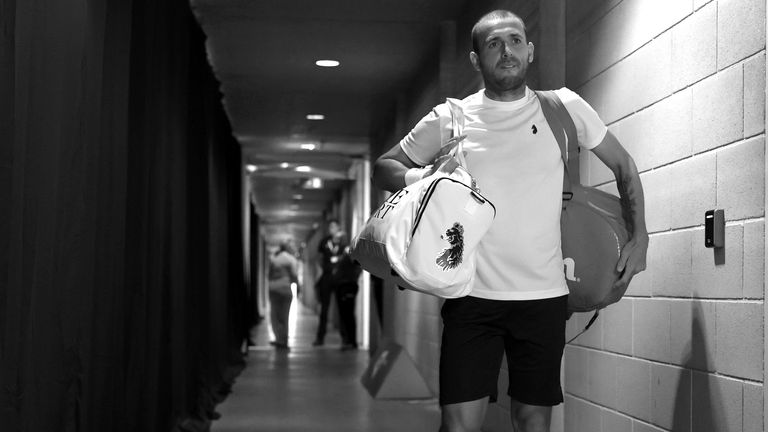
714 228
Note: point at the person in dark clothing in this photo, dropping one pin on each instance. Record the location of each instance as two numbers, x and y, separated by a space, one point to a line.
345 275
329 250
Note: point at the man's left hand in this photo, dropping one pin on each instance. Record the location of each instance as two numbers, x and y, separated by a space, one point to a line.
632 260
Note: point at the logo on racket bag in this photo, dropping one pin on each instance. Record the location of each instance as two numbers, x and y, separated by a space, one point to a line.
389 204
450 257
570 270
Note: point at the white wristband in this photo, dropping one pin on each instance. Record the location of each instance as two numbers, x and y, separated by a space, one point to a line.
415 174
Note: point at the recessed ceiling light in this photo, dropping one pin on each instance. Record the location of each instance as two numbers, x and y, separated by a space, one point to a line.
284 165
315 117
251 168
303 168
308 146
327 63
313 183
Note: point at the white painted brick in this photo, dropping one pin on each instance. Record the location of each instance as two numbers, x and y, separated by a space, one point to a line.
593 337
741 179
602 378
718 110
607 48
658 214
632 133
668 126
680 332
754 95
581 14
615 422
753 407
634 378
716 280
640 286
581 416
651 329
740 30
717 403
754 259
670 257
579 53
703 336
631 24
739 340
659 134
596 171
692 182
571 328
595 93
576 371
618 327
692 334
694 47
671 396
677 195
637 81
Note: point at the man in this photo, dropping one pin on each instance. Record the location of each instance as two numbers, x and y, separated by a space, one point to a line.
329 250
519 301
345 275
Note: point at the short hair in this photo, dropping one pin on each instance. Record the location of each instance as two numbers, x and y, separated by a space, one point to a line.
498 14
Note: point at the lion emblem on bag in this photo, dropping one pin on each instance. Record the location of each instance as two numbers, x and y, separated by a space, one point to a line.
450 257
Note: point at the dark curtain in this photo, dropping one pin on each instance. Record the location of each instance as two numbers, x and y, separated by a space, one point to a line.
121 267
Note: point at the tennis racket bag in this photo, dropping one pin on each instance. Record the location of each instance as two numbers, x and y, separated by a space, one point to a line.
592 225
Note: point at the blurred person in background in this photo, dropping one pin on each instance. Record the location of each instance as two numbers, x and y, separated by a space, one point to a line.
283 271
346 271
329 251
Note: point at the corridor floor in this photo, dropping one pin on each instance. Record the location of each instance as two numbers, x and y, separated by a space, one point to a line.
313 389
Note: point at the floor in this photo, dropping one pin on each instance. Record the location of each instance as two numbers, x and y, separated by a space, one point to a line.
313 389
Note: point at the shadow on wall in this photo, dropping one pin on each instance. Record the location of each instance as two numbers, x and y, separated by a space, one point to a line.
696 400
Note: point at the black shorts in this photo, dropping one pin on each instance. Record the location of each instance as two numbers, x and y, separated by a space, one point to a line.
476 334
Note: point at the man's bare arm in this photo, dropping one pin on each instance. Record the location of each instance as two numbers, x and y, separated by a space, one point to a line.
615 157
389 169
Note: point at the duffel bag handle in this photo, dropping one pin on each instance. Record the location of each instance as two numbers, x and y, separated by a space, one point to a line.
457 129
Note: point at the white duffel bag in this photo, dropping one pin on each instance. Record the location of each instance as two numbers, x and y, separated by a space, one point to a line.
424 236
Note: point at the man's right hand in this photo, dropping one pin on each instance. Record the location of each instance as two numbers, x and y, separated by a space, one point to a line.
444 161
390 168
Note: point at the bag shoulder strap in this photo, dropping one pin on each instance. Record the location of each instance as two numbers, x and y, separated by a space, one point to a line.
561 123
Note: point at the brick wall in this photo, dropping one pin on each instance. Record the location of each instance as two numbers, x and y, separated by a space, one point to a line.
682 85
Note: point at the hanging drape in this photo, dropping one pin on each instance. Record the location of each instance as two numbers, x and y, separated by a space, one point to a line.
121 267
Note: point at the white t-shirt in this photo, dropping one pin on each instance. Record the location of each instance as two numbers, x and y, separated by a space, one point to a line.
517 163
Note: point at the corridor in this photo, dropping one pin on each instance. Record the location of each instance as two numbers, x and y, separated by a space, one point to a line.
154 155
313 389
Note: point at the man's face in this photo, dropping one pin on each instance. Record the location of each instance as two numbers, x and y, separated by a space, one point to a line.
333 228
504 54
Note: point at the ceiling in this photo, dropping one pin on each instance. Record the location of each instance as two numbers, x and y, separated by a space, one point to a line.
264 52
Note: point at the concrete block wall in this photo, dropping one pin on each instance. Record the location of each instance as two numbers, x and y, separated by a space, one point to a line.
681 83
